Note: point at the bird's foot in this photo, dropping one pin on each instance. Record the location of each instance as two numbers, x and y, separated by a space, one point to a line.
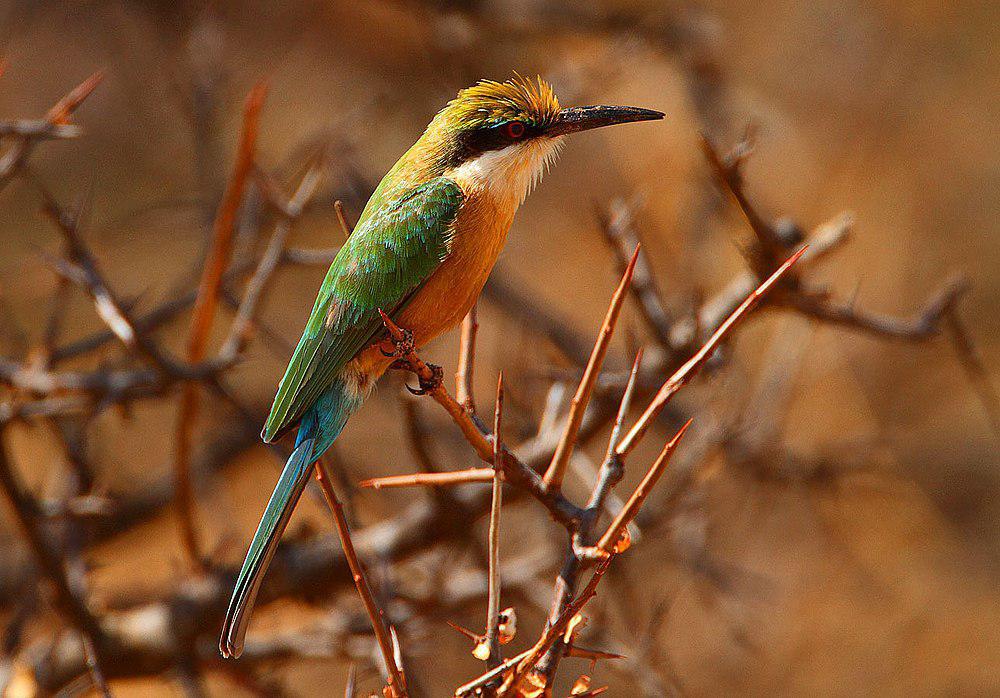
430 384
401 348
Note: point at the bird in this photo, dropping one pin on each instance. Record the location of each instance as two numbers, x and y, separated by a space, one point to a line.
420 252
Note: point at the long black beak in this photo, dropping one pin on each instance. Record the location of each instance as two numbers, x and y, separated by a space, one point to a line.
577 119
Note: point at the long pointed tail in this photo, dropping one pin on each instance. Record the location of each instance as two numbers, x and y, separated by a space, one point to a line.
272 524
320 426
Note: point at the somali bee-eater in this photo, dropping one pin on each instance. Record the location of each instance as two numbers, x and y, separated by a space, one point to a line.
421 251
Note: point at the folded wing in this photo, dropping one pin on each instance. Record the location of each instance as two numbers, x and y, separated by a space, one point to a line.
393 250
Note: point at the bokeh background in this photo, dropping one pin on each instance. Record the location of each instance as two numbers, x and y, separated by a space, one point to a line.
880 578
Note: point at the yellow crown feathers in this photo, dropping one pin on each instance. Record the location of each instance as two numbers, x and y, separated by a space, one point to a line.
490 102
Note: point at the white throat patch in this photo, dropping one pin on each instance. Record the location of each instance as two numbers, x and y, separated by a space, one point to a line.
511 173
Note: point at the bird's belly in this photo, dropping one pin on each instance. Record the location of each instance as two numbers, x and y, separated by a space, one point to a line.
448 295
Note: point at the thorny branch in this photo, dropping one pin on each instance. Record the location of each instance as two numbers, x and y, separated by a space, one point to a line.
514 470
58 117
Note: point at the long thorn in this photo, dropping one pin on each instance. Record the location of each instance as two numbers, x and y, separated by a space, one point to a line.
634 503
445 479
625 404
560 459
60 112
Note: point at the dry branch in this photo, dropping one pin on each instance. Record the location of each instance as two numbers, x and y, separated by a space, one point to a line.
383 632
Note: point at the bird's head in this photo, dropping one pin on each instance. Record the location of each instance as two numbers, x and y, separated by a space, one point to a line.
502 135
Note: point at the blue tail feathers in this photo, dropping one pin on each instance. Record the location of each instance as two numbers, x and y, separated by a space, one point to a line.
320 427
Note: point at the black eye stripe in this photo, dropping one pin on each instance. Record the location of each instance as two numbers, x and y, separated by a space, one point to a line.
482 140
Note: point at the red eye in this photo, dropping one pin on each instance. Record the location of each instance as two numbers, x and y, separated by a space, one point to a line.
514 129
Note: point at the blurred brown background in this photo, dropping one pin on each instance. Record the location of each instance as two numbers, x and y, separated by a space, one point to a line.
881 579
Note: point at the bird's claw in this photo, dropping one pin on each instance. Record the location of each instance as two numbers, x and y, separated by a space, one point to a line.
428 385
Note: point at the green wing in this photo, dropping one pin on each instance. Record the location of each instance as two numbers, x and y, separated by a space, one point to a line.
395 248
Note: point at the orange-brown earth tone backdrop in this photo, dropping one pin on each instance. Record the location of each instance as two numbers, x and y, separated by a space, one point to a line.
880 581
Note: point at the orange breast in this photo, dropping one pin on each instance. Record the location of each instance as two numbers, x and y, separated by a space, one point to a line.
447 296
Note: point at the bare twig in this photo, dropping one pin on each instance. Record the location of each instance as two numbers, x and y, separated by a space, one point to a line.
493 608
397 681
